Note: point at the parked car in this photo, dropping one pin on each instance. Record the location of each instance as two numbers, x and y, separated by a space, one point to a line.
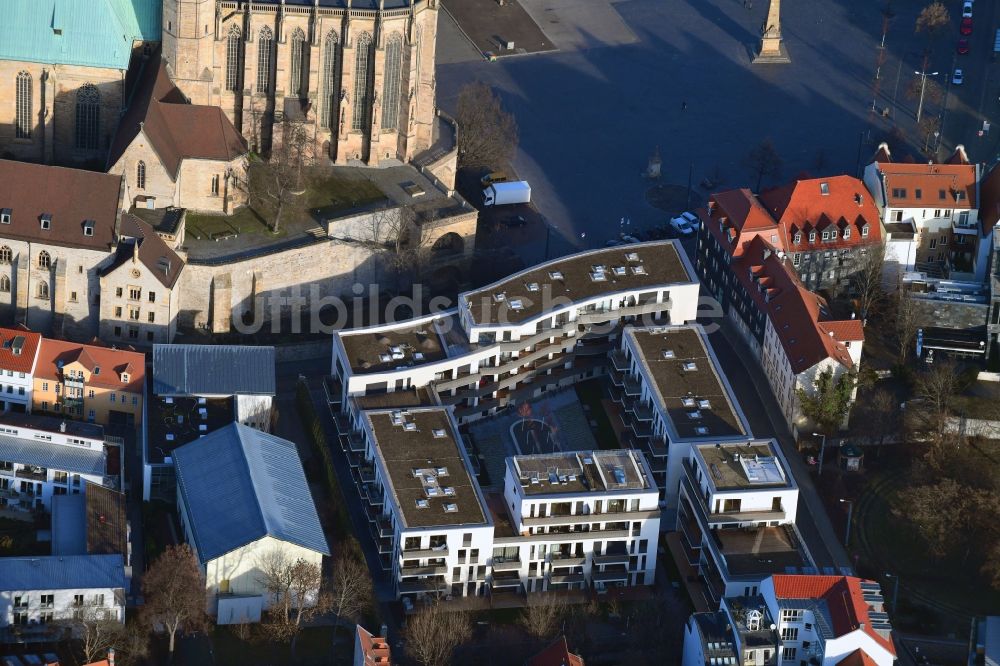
966 26
514 221
683 225
613 243
493 177
629 239
957 77
963 47
967 9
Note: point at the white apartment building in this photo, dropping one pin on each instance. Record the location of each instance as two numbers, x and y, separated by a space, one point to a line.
736 516
741 633
18 357
38 591
42 456
829 620
673 396
941 203
545 327
564 520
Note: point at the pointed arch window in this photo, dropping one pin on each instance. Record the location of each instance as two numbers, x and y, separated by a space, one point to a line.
44 260
140 175
6 255
330 88
300 64
391 81
88 116
22 120
5 284
265 49
233 50
362 81
43 289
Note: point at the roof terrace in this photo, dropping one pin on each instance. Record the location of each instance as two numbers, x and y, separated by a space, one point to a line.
733 467
390 348
580 472
176 421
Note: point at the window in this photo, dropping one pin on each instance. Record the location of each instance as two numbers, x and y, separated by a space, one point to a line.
917 193
77 600
330 88
43 290
899 193
933 243
45 386
118 311
6 255
215 185
152 297
72 296
943 242
88 114
847 233
790 633
48 601
133 333
134 293
798 238
362 76
140 175
111 397
133 314
300 64
788 653
826 235
233 52
151 317
22 119
391 81
864 231
812 236
44 260
118 329
793 615
896 216
265 48
5 284
90 393
796 258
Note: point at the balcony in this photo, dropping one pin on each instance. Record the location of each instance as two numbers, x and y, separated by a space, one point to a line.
417 553
506 579
418 585
589 518
613 574
611 558
619 361
566 579
502 564
563 561
641 410
428 570
967 229
36 474
633 387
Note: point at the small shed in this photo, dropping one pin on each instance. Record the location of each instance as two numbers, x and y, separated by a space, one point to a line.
850 457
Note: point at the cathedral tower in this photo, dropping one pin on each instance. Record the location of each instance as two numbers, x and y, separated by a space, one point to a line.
189 28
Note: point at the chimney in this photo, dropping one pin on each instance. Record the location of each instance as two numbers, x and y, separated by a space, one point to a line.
111 657
860 198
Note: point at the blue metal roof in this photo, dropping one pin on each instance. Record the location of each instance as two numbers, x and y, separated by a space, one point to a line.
69 525
87 572
91 33
239 485
206 370
75 459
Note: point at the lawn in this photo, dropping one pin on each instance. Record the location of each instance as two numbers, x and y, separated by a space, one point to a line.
326 193
591 394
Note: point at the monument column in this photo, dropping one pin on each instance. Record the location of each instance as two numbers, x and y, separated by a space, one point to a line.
772 49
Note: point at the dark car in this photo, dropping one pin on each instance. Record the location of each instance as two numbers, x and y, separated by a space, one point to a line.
966 27
515 221
963 46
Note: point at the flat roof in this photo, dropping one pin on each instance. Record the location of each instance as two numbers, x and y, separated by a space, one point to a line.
737 466
53 424
690 386
64 457
392 348
427 472
763 550
577 277
580 472
173 422
213 370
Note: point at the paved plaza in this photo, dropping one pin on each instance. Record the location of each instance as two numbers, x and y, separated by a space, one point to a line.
591 114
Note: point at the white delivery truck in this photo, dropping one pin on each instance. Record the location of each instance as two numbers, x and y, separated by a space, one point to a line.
499 194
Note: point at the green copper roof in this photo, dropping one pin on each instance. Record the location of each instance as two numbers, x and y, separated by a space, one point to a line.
91 33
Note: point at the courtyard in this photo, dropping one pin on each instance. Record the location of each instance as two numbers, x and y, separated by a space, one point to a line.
679 78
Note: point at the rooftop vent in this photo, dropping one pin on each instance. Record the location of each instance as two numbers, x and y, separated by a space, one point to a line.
704 404
46 220
500 297
448 491
532 286
438 433
422 504
88 227
824 188
695 415
668 353
451 508
687 402
410 427
690 366
631 256
597 273
555 275
619 271
441 471
5 214
701 430
619 475
516 304
639 270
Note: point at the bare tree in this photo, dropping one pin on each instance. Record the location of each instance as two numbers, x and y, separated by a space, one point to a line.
96 630
351 585
133 645
933 92
906 323
274 573
932 20
929 126
541 615
763 161
174 589
487 134
881 416
867 279
294 587
396 236
275 182
936 389
433 633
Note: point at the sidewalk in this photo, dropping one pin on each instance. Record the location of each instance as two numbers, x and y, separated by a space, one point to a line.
812 522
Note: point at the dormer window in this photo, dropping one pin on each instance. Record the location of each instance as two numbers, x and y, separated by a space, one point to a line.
124 378
5 215
847 233
833 234
826 235
864 231
824 188
88 227
798 237
812 236
46 221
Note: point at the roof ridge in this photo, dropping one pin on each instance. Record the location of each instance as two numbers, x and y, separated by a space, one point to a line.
239 429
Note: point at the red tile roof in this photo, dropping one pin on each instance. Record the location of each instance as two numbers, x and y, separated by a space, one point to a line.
844 601
24 361
802 206
556 654
111 361
797 314
857 658
939 185
989 194
374 648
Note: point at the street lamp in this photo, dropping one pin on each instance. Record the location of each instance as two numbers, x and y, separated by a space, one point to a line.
850 513
923 84
822 450
895 591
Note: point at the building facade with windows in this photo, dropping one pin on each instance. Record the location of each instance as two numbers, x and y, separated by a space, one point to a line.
39 591
940 202
18 356
740 633
41 457
564 520
89 382
358 77
542 328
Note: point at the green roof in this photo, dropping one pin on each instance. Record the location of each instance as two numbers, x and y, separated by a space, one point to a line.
89 33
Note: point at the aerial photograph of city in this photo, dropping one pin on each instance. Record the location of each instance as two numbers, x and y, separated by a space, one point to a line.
499 332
